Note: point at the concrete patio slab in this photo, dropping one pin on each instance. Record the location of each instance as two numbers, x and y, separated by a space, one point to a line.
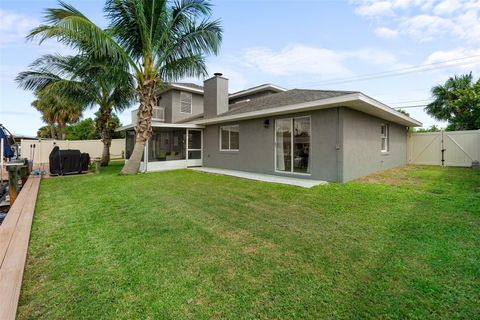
305 183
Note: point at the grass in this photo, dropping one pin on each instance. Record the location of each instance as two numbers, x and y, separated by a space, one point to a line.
183 244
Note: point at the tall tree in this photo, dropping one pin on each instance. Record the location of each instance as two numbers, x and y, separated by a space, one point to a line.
44 132
158 41
458 102
82 130
57 110
48 116
93 82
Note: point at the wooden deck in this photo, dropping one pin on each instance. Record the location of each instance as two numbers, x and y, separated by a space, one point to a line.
14 237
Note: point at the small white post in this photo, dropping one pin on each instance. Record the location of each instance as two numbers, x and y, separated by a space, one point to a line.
145 156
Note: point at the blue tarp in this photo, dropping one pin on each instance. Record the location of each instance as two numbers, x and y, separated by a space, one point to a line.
7 151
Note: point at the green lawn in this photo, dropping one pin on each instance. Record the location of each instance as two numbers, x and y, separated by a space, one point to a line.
183 244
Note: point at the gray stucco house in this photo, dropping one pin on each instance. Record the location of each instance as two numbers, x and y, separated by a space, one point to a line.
334 136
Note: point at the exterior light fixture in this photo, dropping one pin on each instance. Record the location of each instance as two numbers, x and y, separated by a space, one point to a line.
266 123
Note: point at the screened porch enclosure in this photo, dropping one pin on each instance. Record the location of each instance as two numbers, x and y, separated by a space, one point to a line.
167 145
169 148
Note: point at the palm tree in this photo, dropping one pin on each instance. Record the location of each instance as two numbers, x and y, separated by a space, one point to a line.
158 41
458 102
48 116
57 109
94 83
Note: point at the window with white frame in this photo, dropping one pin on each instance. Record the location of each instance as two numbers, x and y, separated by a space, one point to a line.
185 102
292 145
230 138
384 135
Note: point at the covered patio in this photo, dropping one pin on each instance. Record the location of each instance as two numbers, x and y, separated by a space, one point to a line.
171 146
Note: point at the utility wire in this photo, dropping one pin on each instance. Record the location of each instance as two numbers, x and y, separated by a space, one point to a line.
414 106
410 101
400 71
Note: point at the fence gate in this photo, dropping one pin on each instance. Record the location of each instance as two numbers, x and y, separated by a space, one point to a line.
451 148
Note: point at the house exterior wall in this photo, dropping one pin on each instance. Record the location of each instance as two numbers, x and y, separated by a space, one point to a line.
166 102
362 144
197 106
171 101
257 146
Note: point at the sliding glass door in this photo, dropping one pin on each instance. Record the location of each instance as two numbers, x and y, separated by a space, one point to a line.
292 145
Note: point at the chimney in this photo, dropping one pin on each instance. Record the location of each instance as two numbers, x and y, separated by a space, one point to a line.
215 95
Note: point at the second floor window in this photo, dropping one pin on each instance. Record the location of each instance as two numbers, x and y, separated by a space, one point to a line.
185 102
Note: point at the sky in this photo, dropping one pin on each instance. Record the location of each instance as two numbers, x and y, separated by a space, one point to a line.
393 51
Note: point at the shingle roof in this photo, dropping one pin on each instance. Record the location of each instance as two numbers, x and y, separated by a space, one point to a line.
282 99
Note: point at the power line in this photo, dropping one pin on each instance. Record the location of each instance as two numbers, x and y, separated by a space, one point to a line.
397 74
414 106
399 71
410 101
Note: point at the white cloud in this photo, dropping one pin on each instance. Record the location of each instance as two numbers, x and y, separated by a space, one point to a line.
376 8
14 27
426 27
464 60
386 33
297 59
424 20
381 8
447 7
236 80
301 59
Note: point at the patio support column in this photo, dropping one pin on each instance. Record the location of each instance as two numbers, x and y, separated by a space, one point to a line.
145 155
186 146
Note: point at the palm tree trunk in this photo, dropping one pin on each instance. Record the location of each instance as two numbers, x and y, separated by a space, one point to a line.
52 130
106 134
61 131
106 152
143 129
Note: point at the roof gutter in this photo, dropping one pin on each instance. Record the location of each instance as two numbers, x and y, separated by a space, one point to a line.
164 125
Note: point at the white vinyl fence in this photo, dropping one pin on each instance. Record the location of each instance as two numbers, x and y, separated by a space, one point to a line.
455 148
94 148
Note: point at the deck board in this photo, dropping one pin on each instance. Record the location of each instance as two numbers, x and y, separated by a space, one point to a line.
14 246
9 224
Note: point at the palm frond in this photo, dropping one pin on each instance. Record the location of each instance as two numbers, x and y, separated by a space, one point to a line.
128 25
191 66
68 26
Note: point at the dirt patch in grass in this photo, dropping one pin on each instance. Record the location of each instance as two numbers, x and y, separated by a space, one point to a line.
396 177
